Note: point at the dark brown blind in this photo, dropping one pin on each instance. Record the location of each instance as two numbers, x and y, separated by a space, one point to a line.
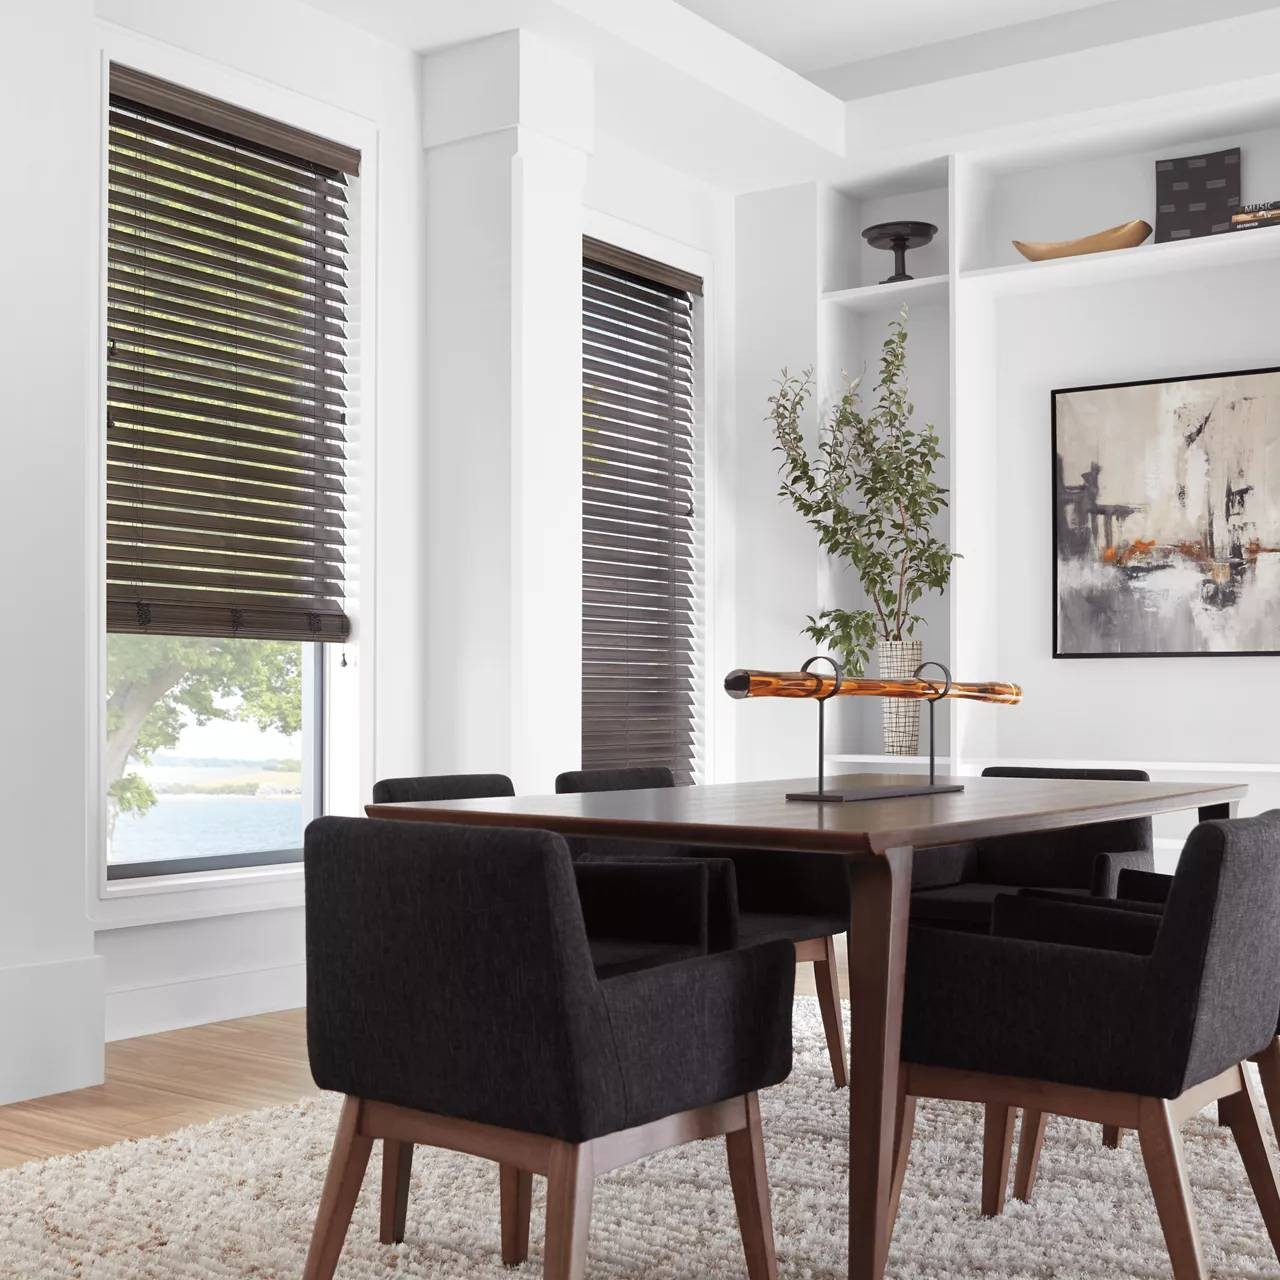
226 371
639 493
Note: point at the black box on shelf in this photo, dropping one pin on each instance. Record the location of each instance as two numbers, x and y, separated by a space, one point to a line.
1197 195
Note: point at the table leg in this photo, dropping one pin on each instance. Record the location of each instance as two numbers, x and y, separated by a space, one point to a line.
880 902
1210 812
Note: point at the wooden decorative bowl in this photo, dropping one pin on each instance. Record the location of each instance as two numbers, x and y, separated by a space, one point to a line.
1126 236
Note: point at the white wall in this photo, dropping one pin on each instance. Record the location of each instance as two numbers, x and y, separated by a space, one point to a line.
1140 710
51 981
1152 708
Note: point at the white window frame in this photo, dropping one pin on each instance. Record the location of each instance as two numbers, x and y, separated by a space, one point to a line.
349 730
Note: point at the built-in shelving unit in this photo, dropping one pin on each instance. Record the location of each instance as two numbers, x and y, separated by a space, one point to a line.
991 335
876 297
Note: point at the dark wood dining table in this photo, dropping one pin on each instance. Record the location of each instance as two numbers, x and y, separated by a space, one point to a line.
877 839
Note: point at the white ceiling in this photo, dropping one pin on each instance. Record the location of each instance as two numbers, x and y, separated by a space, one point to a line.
809 35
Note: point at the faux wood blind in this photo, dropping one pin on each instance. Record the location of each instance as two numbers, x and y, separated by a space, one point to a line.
640 519
226 371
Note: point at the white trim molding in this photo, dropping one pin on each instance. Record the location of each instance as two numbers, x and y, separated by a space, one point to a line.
148 1008
51 1054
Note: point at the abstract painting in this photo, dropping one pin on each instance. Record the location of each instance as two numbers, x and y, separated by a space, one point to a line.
1167 517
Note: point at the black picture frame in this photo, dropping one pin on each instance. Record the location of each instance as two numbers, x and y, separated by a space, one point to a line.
1272 370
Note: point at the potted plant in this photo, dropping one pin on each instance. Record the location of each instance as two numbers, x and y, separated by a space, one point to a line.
872 496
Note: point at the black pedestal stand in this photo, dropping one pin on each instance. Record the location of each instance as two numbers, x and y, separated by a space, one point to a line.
899 237
890 791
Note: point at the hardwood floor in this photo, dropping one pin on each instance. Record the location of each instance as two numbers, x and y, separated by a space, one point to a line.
156 1084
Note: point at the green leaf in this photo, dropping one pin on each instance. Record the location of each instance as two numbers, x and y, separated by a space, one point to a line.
870 494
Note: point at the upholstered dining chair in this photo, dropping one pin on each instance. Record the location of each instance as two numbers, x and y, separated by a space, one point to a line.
802 899
956 885
636 913
443 786
1145 894
452 999
1084 1010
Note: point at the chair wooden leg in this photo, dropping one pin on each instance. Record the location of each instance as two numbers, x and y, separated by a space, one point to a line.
569 1187
1242 1112
1269 1069
347 1165
750 1181
827 980
516 1193
1111 1136
901 1153
997 1147
1030 1144
1162 1153
397 1168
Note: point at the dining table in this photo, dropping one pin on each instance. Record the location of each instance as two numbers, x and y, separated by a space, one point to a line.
877 839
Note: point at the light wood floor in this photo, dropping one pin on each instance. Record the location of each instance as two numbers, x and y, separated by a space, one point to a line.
156 1084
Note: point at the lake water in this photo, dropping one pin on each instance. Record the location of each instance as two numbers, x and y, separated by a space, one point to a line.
197 826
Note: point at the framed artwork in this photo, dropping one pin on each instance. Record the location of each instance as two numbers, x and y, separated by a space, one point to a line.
1166 529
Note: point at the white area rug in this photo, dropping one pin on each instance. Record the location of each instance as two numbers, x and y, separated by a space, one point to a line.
236 1198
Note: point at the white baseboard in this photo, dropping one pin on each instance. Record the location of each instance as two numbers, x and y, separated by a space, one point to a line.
167 1006
52 1020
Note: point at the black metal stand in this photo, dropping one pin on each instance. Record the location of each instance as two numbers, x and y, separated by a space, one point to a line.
890 790
939 694
822 794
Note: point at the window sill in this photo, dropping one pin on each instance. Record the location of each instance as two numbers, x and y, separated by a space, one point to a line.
123 904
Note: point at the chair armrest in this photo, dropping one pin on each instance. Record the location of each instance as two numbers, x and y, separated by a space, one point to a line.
798 884
702 1030
1144 886
1073 923
1039 1010
1109 867
661 901
1066 895
722 892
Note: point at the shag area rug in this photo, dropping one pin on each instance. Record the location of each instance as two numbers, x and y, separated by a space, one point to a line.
237 1198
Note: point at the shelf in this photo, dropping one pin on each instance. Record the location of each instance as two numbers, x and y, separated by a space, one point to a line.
1225 250
875 297
881 758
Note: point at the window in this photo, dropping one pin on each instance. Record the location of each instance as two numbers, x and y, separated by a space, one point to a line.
640 497
226 476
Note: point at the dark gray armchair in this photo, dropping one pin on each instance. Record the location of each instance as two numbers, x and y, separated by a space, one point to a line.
451 997
754 896
1142 894
1121 1017
955 886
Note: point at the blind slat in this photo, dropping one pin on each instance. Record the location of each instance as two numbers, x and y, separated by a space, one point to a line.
226 370
639 486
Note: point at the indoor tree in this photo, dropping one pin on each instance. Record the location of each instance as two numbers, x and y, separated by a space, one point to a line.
871 495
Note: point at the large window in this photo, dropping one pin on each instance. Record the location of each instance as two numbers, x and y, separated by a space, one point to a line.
226 476
640 492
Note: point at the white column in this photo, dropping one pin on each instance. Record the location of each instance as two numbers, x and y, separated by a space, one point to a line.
508 125
779 563
51 985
